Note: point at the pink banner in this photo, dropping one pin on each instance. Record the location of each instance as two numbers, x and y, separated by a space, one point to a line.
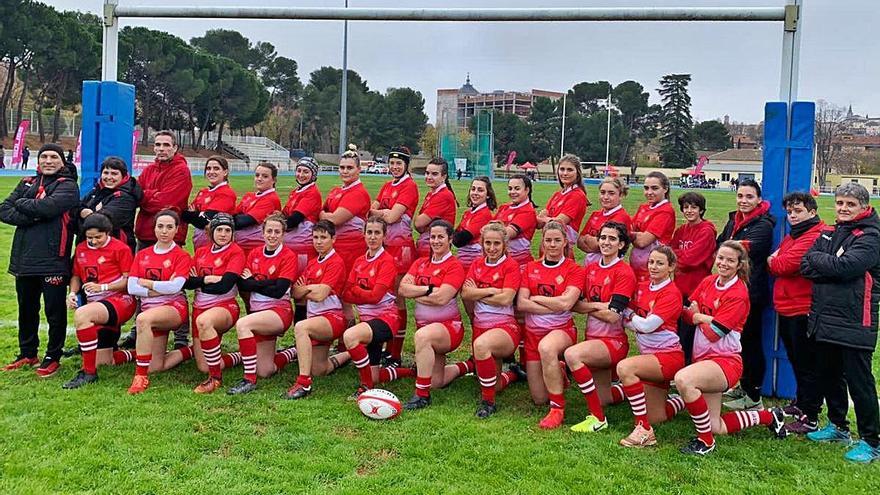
77 155
510 158
18 144
135 136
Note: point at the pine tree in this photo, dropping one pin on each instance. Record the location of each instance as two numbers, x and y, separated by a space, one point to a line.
676 122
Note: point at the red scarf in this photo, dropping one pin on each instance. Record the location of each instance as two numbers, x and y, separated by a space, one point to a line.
740 220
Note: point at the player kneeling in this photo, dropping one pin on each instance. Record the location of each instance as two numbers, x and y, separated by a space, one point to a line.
100 270
218 267
268 275
157 277
433 282
320 286
550 288
491 284
719 308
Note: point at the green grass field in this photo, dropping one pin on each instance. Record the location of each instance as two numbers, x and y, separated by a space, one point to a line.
169 440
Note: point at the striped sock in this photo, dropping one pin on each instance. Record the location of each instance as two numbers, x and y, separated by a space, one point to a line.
674 405
143 364
740 420
487 373
699 412
285 357
88 343
584 380
506 379
305 381
186 352
395 347
122 357
465 367
635 394
211 350
423 386
361 360
393 373
231 360
557 401
617 395
248 347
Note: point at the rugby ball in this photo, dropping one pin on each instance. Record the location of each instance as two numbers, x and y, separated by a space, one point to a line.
376 403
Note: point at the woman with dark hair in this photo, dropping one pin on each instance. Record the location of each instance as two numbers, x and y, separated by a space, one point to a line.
481 205
268 276
321 287
519 218
302 210
609 285
156 278
653 223
490 286
719 308
612 190
40 208
433 282
439 203
117 195
549 289
218 268
370 288
217 197
396 205
694 245
752 225
347 206
100 273
569 204
255 206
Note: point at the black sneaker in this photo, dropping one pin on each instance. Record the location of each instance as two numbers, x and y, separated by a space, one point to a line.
71 351
297 391
357 393
519 371
792 410
178 345
81 378
416 402
389 362
242 387
697 447
486 409
129 341
777 425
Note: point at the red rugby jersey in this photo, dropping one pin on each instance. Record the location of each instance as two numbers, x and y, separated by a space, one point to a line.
601 282
220 198
663 300
210 261
402 191
281 263
474 219
658 219
161 266
571 202
366 274
354 198
306 200
102 265
447 271
503 274
728 305
259 205
551 281
329 270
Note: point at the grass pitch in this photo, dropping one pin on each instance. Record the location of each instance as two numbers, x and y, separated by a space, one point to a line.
169 440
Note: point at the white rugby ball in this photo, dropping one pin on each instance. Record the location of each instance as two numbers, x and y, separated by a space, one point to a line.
379 404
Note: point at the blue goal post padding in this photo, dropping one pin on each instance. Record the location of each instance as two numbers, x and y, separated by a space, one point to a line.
107 127
778 180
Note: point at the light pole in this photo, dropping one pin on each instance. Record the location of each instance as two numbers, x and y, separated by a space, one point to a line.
343 104
608 131
562 139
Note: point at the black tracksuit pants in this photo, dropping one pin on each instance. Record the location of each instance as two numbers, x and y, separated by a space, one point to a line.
804 359
844 368
754 364
53 289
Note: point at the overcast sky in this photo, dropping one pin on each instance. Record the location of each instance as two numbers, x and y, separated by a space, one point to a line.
735 66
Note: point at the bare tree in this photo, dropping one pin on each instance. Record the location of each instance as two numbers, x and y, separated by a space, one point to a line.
830 120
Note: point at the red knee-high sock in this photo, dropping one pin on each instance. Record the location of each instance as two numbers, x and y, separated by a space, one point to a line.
465 367
395 347
423 386
186 352
562 369
488 376
211 350
557 401
506 378
674 405
122 357
740 420
390 374
88 343
285 357
361 360
699 412
231 360
248 348
635 394
143 364
617 395
584 380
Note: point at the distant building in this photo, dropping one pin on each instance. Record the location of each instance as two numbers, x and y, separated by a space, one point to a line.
859 125
459 105
743 142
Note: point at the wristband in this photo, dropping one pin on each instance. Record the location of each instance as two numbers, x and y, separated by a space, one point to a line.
430 289
103 287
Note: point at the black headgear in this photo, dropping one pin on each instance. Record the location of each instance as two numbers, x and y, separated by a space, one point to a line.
221 219
401 152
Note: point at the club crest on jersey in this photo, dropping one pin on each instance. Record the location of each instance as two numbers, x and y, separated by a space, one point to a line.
496 276
207 199
394 194
319 273
607 281
559 279
272 269
372 272
218 262
101 260
716 303
166 263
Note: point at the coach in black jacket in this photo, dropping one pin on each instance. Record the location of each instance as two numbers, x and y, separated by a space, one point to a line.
117 195
844 265
40 209
752 224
